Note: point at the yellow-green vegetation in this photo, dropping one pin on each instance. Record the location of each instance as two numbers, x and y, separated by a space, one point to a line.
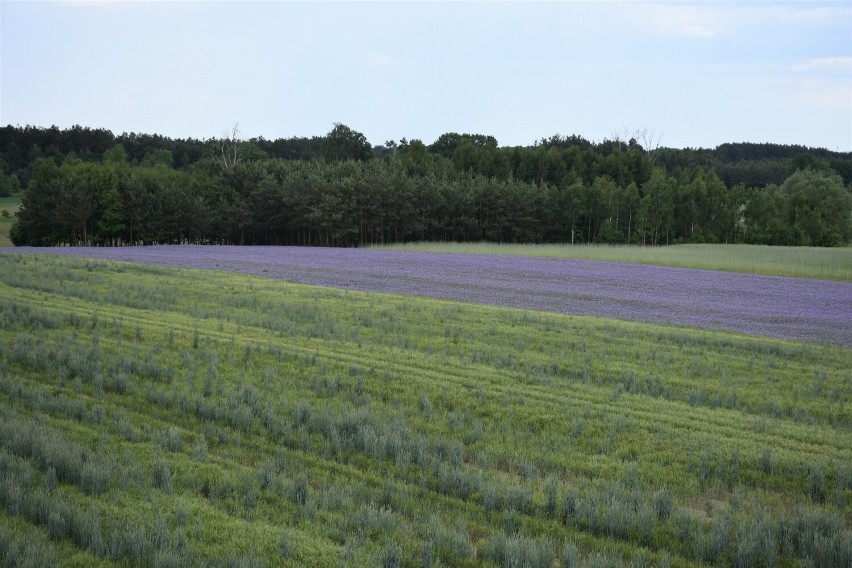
8 209
156 416
804 262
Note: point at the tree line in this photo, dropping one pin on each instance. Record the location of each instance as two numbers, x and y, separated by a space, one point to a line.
87 186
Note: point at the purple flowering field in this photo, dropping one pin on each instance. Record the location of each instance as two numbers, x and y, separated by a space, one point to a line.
792 308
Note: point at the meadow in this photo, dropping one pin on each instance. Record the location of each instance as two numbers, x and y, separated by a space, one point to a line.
151 415
804 262
10 205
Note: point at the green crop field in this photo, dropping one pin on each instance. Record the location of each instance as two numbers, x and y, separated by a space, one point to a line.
10 205
160 417
805 262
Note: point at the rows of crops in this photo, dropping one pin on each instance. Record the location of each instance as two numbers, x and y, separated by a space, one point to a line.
793 308
801 262
155 416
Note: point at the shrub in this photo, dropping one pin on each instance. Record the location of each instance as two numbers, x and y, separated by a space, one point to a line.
174 440
719 536
647 522
663 502
492 496
569 556
450 544
199 450
518 551
57 527
94 477
569 508
816 487
50 480
391 556
518 498
162 476
299 490
552 497
26 550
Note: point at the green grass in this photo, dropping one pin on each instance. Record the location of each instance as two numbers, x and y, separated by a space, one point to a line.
805 262
154 415
11 206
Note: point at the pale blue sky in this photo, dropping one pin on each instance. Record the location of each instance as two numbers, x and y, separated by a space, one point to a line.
694 74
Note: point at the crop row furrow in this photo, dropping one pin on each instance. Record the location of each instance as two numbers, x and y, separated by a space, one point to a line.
342 472
677 416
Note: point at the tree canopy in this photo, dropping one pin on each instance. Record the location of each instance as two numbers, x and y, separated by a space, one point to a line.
86 186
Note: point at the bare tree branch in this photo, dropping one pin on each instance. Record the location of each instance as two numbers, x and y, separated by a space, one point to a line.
229 147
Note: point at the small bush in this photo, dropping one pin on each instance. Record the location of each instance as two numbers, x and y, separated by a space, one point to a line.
492 496
57 527
299 490
569 508
199 450
552 497
816 487
518 551
391 556
94 478
569 556
663 503
450 544
518 498
162 476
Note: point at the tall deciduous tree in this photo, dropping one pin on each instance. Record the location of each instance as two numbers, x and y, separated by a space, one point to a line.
656 210
819 207
343 143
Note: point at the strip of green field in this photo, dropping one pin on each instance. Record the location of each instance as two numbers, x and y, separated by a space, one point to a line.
804 262
8 209
151 415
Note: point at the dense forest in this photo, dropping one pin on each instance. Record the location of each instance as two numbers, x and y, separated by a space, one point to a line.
88 186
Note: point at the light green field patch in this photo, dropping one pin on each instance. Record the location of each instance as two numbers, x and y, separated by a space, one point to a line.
805 262
237 420
10 205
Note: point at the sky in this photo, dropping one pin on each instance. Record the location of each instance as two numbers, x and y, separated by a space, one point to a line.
686 74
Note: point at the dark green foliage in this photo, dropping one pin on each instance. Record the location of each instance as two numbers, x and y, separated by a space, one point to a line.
336 190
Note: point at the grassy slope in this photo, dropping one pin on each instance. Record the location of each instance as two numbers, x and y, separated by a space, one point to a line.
806 262
10 204
232 418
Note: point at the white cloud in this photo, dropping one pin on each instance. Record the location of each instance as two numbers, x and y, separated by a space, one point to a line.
829 64
687 22
814 15
839 98
681 20
379 59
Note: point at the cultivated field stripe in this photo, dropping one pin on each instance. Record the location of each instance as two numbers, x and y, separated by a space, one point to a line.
678 416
